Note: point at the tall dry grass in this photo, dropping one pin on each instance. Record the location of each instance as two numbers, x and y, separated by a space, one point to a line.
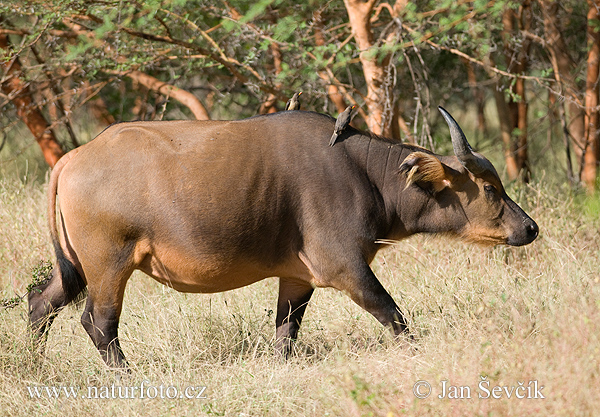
511 315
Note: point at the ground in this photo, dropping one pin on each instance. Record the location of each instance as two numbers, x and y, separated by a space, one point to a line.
525 321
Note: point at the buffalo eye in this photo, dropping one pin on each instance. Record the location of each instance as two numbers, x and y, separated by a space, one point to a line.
490 191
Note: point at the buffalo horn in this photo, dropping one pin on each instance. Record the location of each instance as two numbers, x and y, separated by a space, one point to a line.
462 149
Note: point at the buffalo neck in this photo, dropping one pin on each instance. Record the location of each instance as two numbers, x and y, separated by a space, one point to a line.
380 158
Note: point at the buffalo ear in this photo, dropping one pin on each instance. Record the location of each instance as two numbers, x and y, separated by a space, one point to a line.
425 169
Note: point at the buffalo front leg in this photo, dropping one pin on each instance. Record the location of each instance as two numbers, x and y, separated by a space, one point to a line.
294 296
364 289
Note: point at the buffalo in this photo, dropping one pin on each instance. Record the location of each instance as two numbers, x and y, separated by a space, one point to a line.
210 206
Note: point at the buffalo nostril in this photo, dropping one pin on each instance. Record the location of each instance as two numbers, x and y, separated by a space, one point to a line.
533 229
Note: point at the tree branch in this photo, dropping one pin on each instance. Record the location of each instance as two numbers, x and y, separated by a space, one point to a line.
230 63
184 97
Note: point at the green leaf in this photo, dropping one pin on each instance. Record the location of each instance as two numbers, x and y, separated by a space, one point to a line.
285 28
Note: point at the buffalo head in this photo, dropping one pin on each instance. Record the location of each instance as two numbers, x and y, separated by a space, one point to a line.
467 194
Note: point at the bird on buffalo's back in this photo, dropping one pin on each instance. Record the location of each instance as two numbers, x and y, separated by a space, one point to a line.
341 123
294 102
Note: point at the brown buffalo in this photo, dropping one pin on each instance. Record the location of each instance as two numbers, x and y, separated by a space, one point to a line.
209 206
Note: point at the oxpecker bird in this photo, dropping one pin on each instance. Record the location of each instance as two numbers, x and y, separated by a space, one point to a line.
294 102
341 123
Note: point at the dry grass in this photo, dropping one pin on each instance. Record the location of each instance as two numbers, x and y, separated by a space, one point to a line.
513 315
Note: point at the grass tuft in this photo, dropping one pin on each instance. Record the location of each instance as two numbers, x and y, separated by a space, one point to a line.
510 315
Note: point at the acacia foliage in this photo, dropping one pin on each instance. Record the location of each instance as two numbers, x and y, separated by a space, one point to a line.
240 58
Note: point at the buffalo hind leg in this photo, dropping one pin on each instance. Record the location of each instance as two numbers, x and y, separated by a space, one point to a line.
45 302
101 315
102 326
294 296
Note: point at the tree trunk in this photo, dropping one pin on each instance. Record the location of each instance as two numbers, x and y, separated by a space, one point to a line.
506 114
19 94
510 151
333 92
564 68
270 104
590 162
378 120
525 17
522 126
478 96
516 62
